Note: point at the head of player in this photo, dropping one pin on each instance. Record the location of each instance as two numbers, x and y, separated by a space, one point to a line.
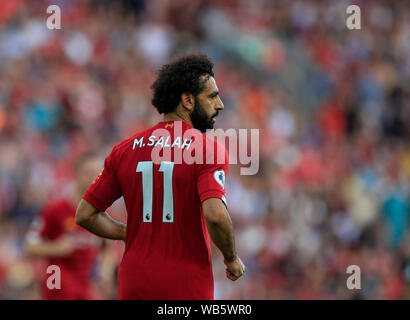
86 168
185 89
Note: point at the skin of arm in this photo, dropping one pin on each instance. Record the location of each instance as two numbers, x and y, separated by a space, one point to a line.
52 248
99 223
220 229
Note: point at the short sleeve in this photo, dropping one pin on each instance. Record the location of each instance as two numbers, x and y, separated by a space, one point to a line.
105 189
211 179
46 226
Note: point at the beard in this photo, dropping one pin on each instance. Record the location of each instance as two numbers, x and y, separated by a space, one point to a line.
200 119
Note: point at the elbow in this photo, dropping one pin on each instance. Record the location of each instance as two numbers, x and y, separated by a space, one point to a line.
80 218
215 212
85 214
214 217
81 215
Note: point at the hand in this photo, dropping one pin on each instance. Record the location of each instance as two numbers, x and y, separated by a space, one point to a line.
234 269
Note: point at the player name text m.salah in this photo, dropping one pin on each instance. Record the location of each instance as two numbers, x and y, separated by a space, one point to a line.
153 141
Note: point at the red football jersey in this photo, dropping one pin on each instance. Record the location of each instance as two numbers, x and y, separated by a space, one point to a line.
57 219
167 253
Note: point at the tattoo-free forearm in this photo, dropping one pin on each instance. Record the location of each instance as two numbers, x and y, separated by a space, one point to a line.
46 249
221 233
99 223
103 225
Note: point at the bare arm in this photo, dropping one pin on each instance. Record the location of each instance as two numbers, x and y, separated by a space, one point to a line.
220 227
99 223
221 231
52 248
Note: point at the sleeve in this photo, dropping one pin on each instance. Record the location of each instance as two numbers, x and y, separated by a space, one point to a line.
211 179
45 226
105 189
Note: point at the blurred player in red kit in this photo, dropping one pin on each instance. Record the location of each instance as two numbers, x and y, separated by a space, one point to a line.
54 235
172 204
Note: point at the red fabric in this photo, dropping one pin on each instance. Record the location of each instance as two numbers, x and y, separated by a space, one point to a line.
162 260
56 220
8 9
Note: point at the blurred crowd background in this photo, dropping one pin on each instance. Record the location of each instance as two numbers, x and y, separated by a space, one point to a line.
332 106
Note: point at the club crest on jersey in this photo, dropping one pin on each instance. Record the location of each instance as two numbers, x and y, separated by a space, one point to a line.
219 176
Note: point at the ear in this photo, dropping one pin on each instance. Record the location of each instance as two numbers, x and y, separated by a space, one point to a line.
188 101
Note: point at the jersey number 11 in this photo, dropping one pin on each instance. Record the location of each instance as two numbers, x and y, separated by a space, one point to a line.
146 168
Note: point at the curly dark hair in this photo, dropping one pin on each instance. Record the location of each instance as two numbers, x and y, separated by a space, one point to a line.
183 74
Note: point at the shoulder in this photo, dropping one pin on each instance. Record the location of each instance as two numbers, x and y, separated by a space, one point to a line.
129 142
213 140
214 150
126 144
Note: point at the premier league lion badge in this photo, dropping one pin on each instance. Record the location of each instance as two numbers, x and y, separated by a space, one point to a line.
219 176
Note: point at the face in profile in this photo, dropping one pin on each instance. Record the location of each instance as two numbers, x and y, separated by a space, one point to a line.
207 106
